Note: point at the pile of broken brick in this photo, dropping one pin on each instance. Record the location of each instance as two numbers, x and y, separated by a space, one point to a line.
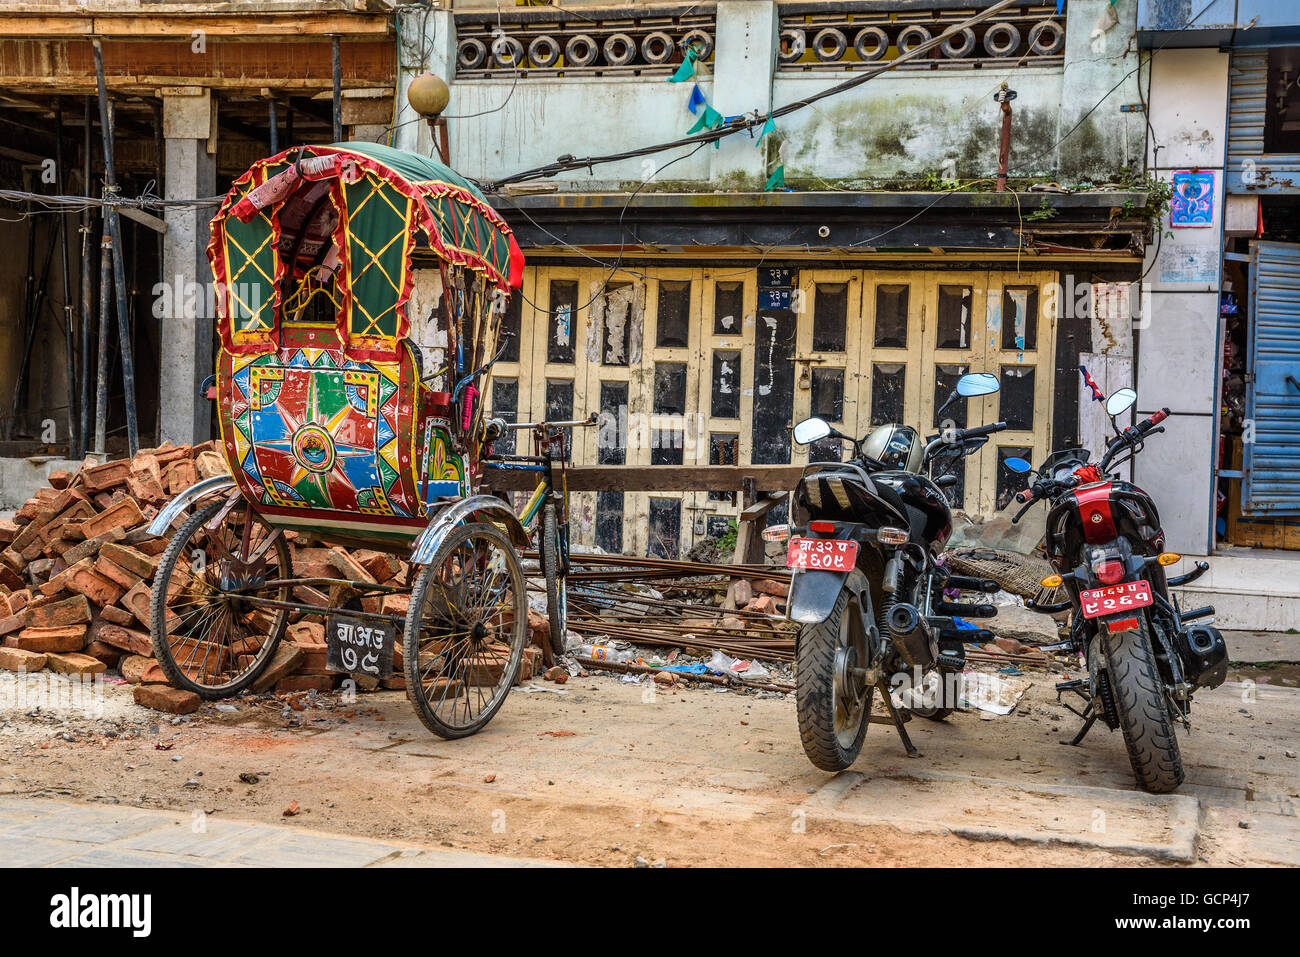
76 571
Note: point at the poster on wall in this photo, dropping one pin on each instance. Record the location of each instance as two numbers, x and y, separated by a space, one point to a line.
1192 202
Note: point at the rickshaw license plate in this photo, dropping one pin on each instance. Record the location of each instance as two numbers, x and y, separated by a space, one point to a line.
822 554
1113 598
360 646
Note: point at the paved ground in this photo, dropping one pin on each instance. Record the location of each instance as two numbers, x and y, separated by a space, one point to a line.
39 832
608 772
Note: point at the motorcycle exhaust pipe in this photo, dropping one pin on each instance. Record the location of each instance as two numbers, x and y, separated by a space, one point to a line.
911 635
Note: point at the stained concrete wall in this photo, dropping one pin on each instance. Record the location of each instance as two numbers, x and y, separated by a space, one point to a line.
895 129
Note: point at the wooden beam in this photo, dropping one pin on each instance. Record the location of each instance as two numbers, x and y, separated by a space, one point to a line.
653 478
299 67
255 26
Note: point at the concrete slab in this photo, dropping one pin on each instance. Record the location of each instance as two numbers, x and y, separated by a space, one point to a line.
84 825
141 837
1161 826
36 851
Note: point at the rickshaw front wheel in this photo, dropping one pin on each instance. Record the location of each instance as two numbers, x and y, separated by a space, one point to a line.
210 634
465 631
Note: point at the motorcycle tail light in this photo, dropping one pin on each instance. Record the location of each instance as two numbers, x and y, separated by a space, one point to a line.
891 536
1108 570
825 528
776 533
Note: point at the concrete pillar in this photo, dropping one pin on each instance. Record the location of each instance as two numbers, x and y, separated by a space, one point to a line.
187 323
1179 340
743 64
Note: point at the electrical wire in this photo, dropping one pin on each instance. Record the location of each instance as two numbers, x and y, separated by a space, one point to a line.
748 121
618 263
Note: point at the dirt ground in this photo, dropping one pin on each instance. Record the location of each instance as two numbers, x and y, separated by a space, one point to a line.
608 772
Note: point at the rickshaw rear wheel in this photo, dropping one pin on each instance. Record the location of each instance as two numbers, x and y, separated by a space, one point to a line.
557 598
465 631
202 617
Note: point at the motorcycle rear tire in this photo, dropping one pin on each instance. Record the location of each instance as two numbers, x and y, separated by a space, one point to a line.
816 701
1143 713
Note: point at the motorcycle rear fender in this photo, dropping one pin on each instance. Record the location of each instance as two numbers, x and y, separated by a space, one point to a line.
813 594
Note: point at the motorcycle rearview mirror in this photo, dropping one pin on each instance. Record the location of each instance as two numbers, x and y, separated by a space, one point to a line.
977 383
1018 465
1121 400
811 430
971 384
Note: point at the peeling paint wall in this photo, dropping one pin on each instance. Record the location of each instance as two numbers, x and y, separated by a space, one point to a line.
893 130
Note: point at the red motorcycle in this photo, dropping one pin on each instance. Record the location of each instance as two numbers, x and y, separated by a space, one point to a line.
1105 541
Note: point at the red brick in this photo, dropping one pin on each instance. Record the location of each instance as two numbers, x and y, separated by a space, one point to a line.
153 547
86 581
115 615
348 567
128 639
9 578
136 601
286 659
311 596
125 514
18 659
102 652
307 633
168 699
18 599
179 476
71 611
65 638
764 604
380 565
90 547
210 464
75 664
116 573
124 556
59 478
8 530
106 476
769 586
137 669
305 683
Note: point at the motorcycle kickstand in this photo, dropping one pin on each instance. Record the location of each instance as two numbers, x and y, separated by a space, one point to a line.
897 719
1091 718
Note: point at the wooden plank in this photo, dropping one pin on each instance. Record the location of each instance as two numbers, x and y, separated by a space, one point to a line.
654 478
183 24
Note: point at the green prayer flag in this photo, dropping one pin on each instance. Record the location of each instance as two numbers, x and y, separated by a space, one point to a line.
710 119
776 180
768 127
686 70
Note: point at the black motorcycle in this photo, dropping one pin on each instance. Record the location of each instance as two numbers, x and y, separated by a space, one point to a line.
866 589
1144 657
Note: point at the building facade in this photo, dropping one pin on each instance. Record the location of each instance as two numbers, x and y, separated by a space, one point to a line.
706 308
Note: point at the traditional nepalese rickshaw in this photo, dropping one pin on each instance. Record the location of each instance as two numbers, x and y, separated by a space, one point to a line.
360 292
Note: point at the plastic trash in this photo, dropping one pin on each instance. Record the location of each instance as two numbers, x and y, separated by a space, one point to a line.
603 652
992 693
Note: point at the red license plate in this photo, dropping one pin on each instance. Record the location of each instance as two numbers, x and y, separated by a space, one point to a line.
1115 598
822 554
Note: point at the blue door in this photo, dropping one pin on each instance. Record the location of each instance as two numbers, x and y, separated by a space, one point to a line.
1271 485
